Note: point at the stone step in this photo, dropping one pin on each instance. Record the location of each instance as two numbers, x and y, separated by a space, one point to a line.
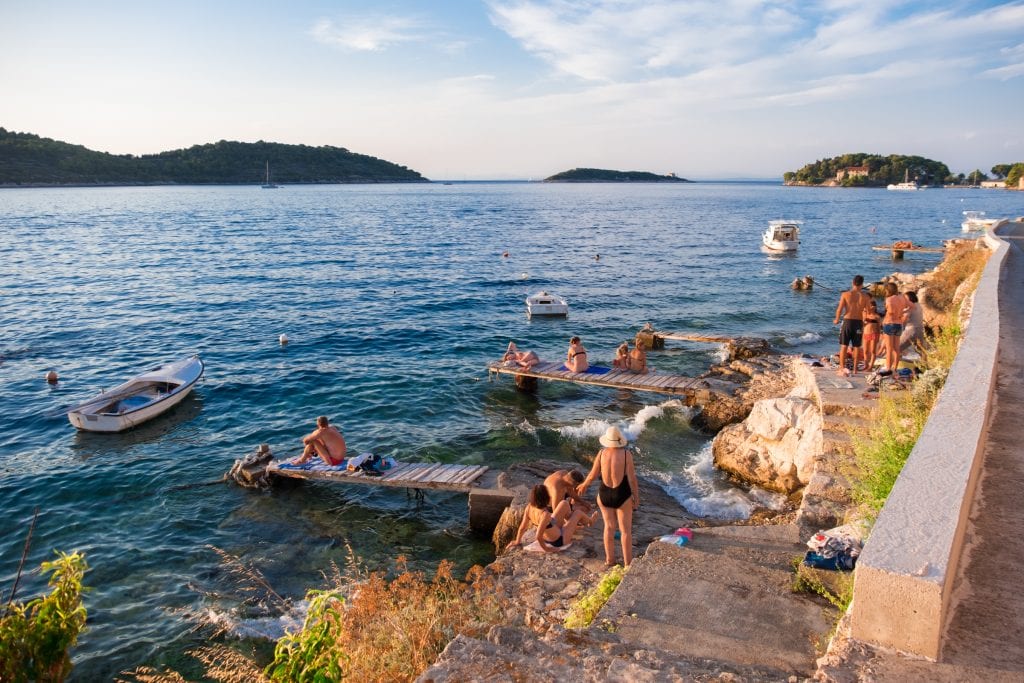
846 423
836 441
726 596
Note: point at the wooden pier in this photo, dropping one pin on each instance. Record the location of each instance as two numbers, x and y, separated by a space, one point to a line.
409 475
618 379
897 249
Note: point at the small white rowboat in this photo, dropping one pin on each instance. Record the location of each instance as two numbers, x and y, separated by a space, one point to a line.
139 399
543 303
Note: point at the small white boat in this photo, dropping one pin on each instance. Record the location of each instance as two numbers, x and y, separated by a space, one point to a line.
906 185
975 220
782 235
543 303
139 399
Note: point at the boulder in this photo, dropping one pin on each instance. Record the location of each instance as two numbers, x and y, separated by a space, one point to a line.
251 471
775 446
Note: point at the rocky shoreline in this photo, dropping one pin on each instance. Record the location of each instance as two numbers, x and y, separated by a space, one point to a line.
782 425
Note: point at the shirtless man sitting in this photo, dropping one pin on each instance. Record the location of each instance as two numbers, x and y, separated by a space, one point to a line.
325 441
561 485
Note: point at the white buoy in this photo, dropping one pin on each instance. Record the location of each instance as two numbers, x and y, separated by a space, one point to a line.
283 339
524 275
52 377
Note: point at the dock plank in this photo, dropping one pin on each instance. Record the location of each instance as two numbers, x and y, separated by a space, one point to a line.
443 476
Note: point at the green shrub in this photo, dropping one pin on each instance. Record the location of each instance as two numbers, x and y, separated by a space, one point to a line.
35 637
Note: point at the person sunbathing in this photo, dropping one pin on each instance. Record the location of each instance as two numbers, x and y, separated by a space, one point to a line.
621 360
638 359
524 359
325 441
576 357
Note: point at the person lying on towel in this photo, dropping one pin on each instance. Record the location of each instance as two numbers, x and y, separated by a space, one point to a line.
325 441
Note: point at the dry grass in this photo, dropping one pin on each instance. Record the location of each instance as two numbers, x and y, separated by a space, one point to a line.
387 630
961 263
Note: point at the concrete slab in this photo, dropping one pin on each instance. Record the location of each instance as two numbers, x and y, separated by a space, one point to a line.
726 597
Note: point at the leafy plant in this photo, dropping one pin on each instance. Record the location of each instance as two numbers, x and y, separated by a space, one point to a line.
582 613
35 637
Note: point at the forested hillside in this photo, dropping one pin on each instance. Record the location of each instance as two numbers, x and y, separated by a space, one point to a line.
882 170
27 159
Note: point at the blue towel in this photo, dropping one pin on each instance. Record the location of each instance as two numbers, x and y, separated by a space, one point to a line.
592 370
313 465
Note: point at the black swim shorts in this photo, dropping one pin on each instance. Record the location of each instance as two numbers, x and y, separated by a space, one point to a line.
851 332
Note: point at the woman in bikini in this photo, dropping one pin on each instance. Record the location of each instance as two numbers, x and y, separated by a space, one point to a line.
576 358
622 357
872 329
524 359
897 309
555 529
618 494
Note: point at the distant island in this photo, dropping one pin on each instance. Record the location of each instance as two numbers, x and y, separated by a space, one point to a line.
599 175
871 170
30 160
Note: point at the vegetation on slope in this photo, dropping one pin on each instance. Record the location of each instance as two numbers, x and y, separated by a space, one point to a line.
31 160
598 175
882 170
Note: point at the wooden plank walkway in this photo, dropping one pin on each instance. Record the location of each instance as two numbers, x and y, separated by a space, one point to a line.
689 336
410 475
619 379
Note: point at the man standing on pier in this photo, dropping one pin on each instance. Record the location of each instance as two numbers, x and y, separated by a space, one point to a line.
851 309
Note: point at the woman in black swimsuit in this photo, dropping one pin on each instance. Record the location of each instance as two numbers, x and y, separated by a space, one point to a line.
554 529
618 494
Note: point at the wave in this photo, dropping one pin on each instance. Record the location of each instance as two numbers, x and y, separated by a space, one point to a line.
805 338
270 627
632 428
705 492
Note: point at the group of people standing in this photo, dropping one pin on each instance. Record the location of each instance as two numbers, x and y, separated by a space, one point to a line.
890 332
558 508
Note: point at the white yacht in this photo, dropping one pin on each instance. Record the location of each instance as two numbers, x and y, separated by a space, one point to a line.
782 235
906 185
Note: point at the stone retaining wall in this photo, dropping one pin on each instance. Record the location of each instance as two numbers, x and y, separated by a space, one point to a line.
905 574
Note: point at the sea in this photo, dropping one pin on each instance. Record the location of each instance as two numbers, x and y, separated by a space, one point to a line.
394 298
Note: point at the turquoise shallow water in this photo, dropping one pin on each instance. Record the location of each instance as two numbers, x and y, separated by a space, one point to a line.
394 298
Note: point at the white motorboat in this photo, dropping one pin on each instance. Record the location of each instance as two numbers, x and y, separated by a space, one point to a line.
782 235
543 303
906 185
139 399
975 220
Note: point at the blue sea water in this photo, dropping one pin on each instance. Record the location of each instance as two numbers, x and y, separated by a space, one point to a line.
394 298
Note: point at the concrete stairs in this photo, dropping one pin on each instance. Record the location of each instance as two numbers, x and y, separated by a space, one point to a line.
725 597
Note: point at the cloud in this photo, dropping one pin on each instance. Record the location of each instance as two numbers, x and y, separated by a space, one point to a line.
368 33
745 53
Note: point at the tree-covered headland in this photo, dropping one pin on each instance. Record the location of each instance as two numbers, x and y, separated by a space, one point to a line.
870 170
27 159
599 175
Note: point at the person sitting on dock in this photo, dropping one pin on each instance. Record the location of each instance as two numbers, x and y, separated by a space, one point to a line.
562 485
524 359
638 358
576 357
325 441
555 529
621 360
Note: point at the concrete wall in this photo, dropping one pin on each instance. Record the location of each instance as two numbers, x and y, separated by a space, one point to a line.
905 574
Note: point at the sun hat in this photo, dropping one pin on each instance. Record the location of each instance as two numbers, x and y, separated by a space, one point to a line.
613 438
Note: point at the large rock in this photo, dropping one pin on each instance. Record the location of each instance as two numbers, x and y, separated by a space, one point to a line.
775 447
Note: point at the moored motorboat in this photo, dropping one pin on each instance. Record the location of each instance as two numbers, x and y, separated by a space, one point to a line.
139 399
975 220
544 303
782 235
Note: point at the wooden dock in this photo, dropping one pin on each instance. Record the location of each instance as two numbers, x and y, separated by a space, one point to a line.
409 475
618 379
898 251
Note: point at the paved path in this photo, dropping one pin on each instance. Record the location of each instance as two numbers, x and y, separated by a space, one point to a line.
986 626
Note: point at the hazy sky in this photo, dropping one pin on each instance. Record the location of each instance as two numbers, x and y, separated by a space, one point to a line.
464 89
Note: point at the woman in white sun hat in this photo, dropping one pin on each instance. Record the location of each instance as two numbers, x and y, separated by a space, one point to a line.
618 494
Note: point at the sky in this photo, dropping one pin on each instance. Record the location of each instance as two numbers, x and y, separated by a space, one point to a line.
520 89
